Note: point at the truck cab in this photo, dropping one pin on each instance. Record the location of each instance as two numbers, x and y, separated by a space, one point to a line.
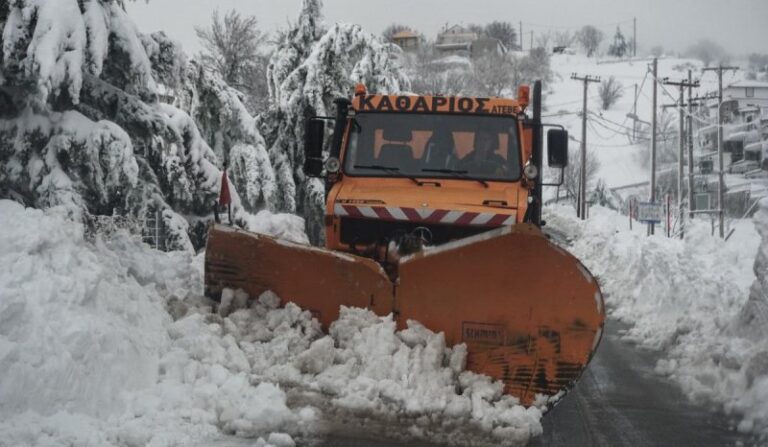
407 171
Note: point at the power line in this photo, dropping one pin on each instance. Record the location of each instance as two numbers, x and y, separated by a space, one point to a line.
623 126
700 120
660 82
560 114
603 25
595 96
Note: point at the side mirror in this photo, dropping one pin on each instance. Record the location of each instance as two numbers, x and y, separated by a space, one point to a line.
557 148
313 147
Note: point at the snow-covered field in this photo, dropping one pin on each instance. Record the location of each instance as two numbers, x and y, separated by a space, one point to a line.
687 299
104 341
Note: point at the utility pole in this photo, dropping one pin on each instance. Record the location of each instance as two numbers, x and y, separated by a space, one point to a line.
531 43
653 139
582 199
691 205
521 36
681 151
634 37
721 179
634 113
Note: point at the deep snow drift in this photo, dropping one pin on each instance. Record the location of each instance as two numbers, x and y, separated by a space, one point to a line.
104 341
684 298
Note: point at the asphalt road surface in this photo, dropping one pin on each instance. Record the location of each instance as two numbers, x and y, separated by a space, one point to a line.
620 401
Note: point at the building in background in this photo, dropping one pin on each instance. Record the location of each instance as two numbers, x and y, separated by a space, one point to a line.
407 40
457 40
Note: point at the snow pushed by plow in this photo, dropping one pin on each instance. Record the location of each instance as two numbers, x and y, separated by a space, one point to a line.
107 342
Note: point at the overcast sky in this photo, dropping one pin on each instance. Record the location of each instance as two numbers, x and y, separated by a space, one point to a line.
741 26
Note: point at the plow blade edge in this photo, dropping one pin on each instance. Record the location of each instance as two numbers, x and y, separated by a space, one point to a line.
315 279
530 313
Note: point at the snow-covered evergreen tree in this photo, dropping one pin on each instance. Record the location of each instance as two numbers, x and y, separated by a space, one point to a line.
81 124
619 47
232 132
308 71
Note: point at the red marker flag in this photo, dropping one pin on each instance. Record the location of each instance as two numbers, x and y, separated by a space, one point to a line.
224 197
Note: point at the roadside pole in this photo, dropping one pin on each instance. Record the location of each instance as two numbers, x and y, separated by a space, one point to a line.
634 113
653 139
721 179
582 196
691 205
681 151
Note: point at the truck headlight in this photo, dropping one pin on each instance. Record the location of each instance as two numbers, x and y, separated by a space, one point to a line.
531 171
332 165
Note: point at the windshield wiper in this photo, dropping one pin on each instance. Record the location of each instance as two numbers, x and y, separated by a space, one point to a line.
387 169
457 173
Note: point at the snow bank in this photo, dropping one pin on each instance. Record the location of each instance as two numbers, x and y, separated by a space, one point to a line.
77 328
367 369
107 342
686 298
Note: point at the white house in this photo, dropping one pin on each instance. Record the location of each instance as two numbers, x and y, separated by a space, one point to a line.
746 98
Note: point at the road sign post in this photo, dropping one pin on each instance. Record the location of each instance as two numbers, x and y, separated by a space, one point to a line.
650 212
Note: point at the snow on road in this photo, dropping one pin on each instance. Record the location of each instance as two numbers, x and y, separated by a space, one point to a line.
104 341
685 299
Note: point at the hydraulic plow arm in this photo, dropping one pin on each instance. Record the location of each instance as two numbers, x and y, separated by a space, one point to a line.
530 313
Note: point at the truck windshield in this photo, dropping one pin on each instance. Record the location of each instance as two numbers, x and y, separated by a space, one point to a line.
476 147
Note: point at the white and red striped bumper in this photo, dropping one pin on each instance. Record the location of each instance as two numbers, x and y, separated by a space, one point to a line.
424 215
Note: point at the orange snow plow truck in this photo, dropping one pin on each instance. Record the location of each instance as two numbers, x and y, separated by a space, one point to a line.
433 214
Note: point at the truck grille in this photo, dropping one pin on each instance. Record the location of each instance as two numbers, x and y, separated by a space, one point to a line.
369 231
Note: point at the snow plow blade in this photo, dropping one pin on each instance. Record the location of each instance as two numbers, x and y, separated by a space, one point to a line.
530 313
315 279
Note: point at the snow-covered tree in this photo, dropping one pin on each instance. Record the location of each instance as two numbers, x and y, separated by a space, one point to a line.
504 31
231 132
432 75
533 66
309 69
294 45
619 47
494 74
708 52
610 91
590 38
232 48
82 126
572 174
564 38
